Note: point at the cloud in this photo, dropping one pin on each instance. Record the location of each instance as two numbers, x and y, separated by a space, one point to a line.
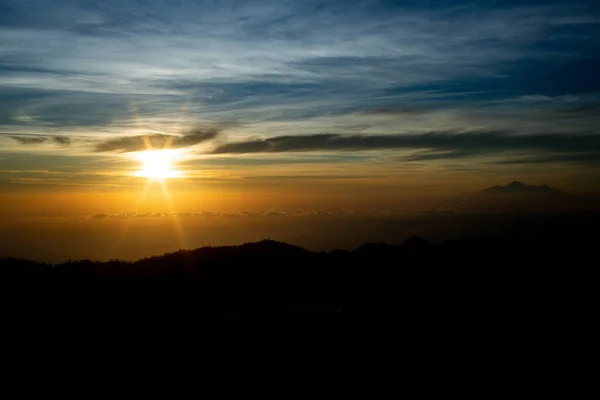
194 137
445 155
393 111
63 140
582 158
27 140
243 213
156 141
296 67
449 144
32 140
579 111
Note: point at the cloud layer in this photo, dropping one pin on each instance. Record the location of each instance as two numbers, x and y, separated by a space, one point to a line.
446 83
435 145
126 144
66 65
31 140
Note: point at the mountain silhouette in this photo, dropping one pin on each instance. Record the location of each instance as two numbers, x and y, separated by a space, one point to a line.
517 190
273 248
458 280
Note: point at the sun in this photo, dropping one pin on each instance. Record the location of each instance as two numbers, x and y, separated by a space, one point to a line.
158 164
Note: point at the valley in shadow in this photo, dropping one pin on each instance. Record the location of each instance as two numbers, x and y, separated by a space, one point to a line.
525 275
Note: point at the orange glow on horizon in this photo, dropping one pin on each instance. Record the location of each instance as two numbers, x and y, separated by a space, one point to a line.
158 165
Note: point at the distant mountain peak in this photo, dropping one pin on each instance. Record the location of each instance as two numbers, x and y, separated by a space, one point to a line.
519 189
517 184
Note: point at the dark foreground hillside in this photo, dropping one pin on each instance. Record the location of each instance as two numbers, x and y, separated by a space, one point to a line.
476 277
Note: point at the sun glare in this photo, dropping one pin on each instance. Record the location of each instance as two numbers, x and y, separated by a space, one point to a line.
158 164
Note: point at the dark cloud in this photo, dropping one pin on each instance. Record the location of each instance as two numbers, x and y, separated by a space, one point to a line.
583 110
63 140
30 139
580 158
132 143
443 144
446 155
156 141
194 137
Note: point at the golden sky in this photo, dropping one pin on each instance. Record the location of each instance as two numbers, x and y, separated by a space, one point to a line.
131 108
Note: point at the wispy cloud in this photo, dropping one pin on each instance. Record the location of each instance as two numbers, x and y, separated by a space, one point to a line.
156 141
208 57
32 140
477 141
64 140
393 111
581 158
26 140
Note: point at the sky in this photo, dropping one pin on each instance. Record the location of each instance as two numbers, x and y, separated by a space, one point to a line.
291 104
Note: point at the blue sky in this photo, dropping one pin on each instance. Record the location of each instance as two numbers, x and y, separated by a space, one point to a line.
482 85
